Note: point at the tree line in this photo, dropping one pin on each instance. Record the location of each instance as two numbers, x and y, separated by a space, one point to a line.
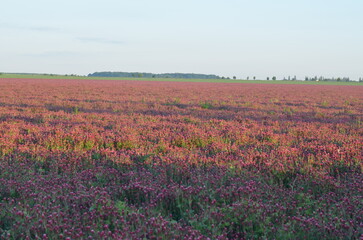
154 75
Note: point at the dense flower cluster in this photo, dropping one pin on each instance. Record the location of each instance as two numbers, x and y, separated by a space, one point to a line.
87 159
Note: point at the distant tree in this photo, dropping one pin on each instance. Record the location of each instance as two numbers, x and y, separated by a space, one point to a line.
268 78
289 78
153 75
234 77
339 79
274 78
248 78
294 78
254 78
306 79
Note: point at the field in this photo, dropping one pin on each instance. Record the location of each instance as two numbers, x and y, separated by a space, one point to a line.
92 159
54 76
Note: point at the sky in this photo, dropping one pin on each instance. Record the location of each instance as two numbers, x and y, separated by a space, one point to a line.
225 37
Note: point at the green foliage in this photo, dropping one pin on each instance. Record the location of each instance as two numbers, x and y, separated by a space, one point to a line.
6 222
142 160
288 111
75 110
124 144
284 178
180 206
96 156
206 105
190 120
88 145
122 207
173 102
324 103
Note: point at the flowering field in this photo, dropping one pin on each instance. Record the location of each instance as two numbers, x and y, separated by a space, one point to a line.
88 159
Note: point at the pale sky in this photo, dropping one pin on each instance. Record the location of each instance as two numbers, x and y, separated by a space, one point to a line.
225 37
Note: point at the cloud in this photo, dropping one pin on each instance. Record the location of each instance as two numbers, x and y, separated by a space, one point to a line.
100 40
